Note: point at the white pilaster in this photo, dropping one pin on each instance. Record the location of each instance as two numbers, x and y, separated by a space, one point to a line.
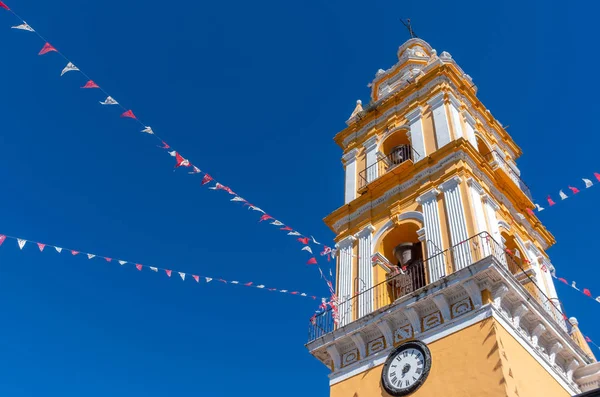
433 235
490 211
370 146
336 359
475 193
455 213
365 271
349 160
415 320
470 127
455 114
440 120
415 121
344 255
359 342
386 330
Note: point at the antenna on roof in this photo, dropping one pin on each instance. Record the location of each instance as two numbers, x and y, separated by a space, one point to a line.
408 26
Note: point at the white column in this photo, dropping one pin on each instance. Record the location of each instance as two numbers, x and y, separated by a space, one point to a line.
440 120
470 127
475 192
454 112
490 212
433 235
349 160
370 146
417 141
365 271
344 255
455 212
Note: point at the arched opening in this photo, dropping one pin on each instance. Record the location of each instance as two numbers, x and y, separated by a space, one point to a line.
395 149
483 147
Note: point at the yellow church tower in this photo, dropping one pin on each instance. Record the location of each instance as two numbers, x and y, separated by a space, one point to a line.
443 284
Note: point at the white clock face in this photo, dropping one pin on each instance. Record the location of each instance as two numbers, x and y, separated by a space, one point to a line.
406 368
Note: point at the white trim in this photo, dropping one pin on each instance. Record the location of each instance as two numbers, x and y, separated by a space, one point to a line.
455 211
416 215
433 230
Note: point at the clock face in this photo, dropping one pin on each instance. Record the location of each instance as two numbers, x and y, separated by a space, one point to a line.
406 368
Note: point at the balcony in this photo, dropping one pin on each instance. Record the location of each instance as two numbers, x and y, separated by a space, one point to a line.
506 173
414 279
403 154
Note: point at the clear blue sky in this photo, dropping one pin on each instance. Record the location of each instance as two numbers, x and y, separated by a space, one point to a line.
252 92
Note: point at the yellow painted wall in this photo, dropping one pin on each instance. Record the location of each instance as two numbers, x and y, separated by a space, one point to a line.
482 360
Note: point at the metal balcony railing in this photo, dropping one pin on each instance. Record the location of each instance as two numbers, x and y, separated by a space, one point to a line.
495 158
402 283
383 165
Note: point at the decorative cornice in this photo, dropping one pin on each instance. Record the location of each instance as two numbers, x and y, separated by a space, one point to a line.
371 143
334 353
360 344
430 195
350 156
474 292
442 303
422 234
413 317
366 231
437 100
345 243
414 115
386 330
455 102
450 183
487 199
475 185
469 119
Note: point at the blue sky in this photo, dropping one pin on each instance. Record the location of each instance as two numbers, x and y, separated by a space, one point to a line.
252 92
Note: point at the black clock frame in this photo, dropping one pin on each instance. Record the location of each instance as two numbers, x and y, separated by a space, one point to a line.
391 389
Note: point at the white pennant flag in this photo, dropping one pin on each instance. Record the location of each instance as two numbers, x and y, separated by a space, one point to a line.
148 130
90 256
58 249
539 207
260 286
307 248
182 275
303 294
196 170
294 233
574 285
237 198
284 290
315 241
21 243
24 26
109 101
598 299
122 262
208 279
562 195
253 208
173 153
588 183
276 223
154 269
69 68
235 282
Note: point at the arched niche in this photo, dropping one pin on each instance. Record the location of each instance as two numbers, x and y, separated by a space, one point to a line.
403 228
394 138
483 146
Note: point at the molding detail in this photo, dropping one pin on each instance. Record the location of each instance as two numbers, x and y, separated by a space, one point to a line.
350 156
442 303
427 196
474 184
413 318
345 243
474 292
536 333
334 353
554 349
414 115
386 330
450 183
499 294
367 230
571 368
518 313
360 344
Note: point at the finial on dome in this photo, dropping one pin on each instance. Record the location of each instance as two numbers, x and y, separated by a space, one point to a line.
357 109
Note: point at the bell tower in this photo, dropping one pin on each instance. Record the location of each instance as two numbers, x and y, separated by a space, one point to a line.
443 283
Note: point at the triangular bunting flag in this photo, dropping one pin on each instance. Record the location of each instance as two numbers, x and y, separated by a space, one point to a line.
563 280
208 279
41 246
539 208
2 239
46 49
286 229
196 170
315 241
74 252
129 115
122 262
90 256
260 286
550 201
529 211
181 162
574 189
91 84
109 101
303 240
164 146
284 291
182 275
154 269
108 259
277 223
562 195
587 292
168 272
23 26
197 278
294 233
21 243
574 285
237 198
254 208
148 130
223 281
249 284
587 182
265 217
207 178
294 293
235 282
139 267
597 175
312 261
588 340
69 68
58 249
2 5
307 248
173 153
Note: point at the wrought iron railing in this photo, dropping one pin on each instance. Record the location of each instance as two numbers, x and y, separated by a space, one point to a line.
383 165
401 283
497 158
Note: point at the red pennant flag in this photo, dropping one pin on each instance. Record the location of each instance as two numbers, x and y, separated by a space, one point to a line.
565 317
286 229
165 145
168 272
574 189
2 238
223 281
197 278
2 5
74 253
550 201
563 280
588 340
47 48
312 261
294 293
41 246
314 297
207 178
248 284
597 175
265 218
139 267
587 292
91 84
272 289
181 161
303 240
529 211
129 114
108 259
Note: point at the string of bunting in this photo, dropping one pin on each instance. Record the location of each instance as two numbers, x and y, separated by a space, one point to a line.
563 196
21 243
573 285
180 161
588 340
